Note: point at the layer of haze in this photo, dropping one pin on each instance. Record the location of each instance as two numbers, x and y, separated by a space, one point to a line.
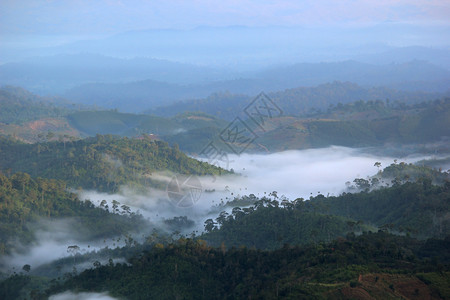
293 174
114 16
275 31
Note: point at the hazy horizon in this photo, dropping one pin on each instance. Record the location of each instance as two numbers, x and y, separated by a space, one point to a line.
256 33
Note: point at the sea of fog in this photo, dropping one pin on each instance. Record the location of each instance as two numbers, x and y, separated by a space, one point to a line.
294 174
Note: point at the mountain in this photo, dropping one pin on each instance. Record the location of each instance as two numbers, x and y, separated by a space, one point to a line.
357 124
134 85
436 56
389 75
295 102
58 73
142 95
310 117
245 47
135 96
18 105
32 118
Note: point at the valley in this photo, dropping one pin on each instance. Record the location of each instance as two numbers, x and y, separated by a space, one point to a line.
224 150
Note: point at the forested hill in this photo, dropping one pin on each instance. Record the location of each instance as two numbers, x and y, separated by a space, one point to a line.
18 105
416 208
371 266
103 163
26 203
311 117
297 101
322 248
356 124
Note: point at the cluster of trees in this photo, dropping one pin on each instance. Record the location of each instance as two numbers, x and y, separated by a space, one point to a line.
189 269
25 200
416 208
403 172
18 106
248 252
377 108
102 162
399 173
270 223
413 208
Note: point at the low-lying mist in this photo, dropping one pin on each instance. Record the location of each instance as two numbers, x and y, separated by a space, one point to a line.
301 173
54 239
81 296
293 174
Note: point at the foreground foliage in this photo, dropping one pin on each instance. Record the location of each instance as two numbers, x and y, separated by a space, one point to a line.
28 204
192 270
414 208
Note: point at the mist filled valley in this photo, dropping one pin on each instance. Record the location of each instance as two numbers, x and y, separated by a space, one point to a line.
193 150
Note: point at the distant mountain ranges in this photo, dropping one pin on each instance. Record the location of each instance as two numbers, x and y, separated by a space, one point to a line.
138 84
326 115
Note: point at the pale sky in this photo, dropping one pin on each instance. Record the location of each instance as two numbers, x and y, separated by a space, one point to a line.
81 17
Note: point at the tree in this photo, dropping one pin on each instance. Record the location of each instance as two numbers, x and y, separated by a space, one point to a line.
115 205
74 249
26 268
362 183
378 165
210 225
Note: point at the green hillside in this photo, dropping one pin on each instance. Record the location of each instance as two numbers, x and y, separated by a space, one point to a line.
418 209
113 122
25 202
103 163
322 248
18 106
373 265
427 122
358 124
125 124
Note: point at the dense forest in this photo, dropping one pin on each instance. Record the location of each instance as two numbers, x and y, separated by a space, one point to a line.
377 265
414 208
224 150
301 101
25 201
324 247
18 106
386 236
103 163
